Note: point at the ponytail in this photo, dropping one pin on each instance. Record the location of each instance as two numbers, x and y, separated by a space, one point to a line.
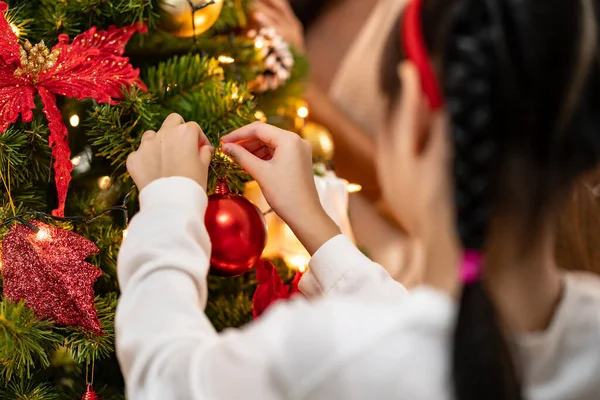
482 366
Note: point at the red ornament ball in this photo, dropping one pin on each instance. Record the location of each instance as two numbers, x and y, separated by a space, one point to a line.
237 231
90 393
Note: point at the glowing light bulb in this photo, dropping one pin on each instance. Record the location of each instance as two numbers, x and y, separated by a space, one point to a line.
354 188
74 120
223 59
104 182
259 115
302 112
76 160
259 44
199 20
125 233
298 261
15 29
42 234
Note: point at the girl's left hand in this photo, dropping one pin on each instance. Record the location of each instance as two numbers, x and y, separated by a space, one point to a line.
278 14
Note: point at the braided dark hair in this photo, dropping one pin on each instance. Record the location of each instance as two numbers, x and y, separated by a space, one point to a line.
473 60
522 93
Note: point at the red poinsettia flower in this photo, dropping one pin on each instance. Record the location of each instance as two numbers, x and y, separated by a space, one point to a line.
92 66
270 287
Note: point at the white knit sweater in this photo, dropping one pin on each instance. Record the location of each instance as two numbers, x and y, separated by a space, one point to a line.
362 335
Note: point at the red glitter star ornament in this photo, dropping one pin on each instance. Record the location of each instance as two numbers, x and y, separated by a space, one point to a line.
92 66
48 270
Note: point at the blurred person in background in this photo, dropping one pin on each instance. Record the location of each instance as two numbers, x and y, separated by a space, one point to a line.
345 41
578 240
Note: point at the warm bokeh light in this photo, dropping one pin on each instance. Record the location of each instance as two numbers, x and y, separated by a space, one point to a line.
260 116
223 59
124 233
42 234
259 44
354 188
200 19
104 182
298 261
15 29
74 120
76 160
302 112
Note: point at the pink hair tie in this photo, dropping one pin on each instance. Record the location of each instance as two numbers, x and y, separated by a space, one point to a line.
470 269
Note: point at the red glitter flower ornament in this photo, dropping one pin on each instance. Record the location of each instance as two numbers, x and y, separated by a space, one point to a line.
48 270
92 66
270 287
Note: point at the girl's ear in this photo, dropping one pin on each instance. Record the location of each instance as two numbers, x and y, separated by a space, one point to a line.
415 113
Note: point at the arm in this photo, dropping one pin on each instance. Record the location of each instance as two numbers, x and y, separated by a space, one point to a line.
339 268
355 150
166 346
275 158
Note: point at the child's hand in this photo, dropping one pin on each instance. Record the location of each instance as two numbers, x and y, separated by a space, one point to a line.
281 163
177 149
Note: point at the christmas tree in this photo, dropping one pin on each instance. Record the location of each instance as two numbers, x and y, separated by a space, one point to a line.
80 82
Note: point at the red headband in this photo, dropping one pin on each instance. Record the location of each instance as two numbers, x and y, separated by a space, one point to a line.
416 51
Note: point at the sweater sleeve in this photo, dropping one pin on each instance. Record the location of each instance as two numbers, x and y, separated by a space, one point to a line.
166 346
339 268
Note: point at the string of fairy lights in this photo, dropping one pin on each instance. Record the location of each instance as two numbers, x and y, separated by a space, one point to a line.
82 161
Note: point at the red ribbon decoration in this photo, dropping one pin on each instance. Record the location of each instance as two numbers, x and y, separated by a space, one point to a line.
270 287
416 51
92 66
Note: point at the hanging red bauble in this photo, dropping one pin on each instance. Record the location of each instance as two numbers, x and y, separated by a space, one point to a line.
90 393
237 231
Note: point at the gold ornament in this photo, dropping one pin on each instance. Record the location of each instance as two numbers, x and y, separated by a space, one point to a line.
35 59
320 140
188 18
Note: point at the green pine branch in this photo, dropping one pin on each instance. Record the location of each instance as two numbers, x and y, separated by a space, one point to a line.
115 130
46 19
26 341
85 346
24 164
180 75
28 390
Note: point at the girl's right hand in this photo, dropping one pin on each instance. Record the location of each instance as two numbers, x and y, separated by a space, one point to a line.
281 163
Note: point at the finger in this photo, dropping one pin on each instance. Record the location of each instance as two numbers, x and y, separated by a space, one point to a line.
131 165
269 135
148 135
251 144
172 121
268 16
206 155
194 127
264 153
281 5
248 161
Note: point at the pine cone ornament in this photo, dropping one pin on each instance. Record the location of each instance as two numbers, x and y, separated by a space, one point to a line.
278 60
